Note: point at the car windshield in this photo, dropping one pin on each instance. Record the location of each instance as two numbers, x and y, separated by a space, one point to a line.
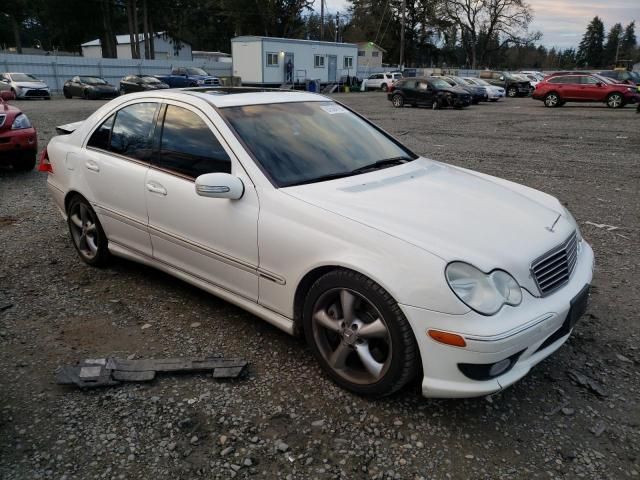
459 81
307 142
479 81
23 77
197 71
93 80
439 83
150 80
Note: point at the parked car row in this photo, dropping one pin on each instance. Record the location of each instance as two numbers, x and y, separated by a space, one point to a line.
26 85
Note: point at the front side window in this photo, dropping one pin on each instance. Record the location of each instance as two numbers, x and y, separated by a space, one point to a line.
318 61
272 59
589 80
306 142
132 130
348 62
188 146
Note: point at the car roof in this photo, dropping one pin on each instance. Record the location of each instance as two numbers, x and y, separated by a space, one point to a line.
222 97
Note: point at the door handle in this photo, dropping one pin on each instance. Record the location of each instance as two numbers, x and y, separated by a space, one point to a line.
155 188
93 166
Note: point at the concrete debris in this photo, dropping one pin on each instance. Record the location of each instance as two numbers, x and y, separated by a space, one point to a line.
608 228
587 382
104 372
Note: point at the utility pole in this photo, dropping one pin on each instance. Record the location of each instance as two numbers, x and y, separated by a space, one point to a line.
337 25
321 20
617 52
404 8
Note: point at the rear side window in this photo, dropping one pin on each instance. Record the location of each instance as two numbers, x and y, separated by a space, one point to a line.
132 131
100 138
188 146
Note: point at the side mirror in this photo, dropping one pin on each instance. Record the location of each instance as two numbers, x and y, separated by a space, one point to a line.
599 84
219 185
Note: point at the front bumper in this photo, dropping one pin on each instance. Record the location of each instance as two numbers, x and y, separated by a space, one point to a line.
516 332
33 93
12 141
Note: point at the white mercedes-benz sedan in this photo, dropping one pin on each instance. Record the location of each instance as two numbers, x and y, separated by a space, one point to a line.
303 212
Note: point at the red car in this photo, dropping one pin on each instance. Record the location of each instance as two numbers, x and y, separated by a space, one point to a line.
18 138
555 90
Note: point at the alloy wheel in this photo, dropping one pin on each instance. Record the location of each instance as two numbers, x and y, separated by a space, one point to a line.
614 101
397 101
512 92
352 336
551 100
84 230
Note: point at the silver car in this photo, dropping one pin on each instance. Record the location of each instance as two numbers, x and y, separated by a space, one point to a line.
25 85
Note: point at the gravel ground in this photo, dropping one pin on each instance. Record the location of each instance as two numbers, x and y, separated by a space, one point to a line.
575 415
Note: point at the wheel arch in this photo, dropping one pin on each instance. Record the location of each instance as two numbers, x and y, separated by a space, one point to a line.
71 194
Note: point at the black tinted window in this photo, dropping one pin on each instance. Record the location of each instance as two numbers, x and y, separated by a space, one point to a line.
100 138
188 146
589 80
558 80
131 134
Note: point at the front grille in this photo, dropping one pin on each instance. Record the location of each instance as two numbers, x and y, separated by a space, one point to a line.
211 81
36 93
553 269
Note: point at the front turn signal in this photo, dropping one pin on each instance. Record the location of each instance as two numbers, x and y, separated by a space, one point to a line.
447 338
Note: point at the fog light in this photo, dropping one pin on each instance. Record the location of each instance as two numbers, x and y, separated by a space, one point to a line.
498 368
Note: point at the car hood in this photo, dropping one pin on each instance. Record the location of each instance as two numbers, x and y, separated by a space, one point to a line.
101 87
457 89
31 84
450 212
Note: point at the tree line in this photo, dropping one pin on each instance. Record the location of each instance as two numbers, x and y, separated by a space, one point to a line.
454 33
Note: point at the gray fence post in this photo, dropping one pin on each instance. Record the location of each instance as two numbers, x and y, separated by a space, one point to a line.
100 69
54 66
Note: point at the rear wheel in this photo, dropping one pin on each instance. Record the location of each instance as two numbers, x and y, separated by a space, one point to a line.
85 94
358 334
87 233
397 101
552 100
66 93
615 100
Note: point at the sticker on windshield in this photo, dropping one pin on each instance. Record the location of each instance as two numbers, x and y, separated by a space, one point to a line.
333 109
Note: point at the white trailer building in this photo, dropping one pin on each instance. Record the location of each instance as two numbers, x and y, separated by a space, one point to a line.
274 61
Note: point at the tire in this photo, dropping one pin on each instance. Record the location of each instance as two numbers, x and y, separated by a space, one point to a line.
85 94
26 162
435 105
397 101
122 91
377 363
384 87
552 100
47 98
493 99
86 232
512 92
66 93
615 100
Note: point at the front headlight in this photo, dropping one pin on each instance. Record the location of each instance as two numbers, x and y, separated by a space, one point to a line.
200 82
485 293
20 122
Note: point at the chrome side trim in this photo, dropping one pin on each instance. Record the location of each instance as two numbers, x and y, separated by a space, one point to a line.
280 321
193 246
509 333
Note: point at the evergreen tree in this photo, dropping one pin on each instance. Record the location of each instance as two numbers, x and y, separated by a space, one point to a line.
591 47
612 45
628 43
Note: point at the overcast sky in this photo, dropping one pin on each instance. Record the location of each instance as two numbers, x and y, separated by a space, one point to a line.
562 22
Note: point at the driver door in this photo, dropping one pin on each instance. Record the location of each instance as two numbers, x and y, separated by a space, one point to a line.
212 239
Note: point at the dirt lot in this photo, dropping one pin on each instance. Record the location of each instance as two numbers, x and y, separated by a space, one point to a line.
575 416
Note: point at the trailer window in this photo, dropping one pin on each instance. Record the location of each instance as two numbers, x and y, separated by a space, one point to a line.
348 62
272 59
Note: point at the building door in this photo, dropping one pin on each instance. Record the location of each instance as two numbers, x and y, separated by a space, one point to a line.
289 68
333 67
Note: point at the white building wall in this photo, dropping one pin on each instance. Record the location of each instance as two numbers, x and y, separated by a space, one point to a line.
304 60
247 63
163 49
94 51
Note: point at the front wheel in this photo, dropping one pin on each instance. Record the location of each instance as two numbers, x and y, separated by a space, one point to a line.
615 100
87 233
552 100
66 93
397 101
384 87
512 92
358 334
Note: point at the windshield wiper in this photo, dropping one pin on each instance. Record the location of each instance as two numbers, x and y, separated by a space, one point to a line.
387 162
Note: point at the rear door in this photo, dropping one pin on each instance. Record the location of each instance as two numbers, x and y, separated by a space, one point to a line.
115 163
424 93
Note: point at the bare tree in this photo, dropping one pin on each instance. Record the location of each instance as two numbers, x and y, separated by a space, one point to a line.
481 22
